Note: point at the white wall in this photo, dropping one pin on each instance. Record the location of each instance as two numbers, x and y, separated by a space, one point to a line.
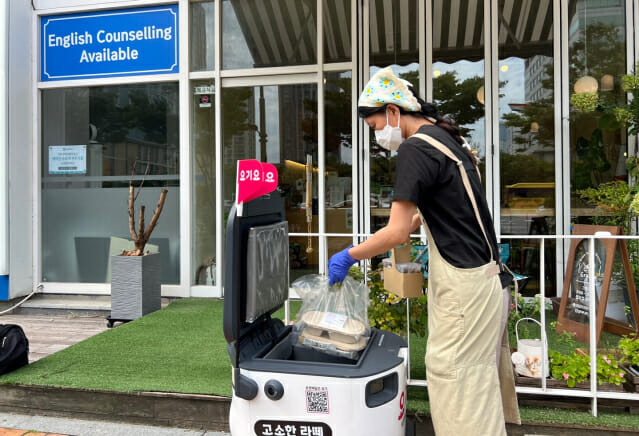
20 148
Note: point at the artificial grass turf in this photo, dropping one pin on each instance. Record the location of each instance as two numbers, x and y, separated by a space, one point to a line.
179 349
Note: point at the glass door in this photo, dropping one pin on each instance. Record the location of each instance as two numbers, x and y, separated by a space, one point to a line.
278 124
527 137
598 145
394 42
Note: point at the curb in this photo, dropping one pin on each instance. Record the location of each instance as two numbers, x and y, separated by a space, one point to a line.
193 411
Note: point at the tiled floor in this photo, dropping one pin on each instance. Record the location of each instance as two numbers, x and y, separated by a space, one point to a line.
49 334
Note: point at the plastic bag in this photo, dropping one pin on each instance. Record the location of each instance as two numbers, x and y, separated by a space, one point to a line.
333 319
403 267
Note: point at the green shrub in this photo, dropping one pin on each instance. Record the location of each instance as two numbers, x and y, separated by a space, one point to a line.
629 347
388 312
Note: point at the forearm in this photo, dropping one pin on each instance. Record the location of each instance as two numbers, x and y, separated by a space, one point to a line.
416 223
379 243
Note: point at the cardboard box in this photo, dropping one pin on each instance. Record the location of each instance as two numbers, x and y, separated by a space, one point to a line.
405 285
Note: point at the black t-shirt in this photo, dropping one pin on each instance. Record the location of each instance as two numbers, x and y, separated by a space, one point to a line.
431 180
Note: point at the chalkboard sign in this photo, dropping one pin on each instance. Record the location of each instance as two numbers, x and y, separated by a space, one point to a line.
616 304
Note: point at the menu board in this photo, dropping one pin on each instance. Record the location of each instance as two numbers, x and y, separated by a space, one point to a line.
616 307
578 306
619 307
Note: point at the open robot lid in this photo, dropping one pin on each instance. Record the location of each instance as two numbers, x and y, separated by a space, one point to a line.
256 281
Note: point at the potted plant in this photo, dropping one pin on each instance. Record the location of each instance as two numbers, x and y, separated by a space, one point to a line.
629 348
573 370
135 274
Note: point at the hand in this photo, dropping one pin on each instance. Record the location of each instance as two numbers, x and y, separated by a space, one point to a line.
338 266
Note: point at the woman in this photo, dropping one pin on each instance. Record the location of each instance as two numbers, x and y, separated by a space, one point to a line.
467 291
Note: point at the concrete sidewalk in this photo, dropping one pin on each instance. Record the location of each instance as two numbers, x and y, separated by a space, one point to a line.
50 334
12 424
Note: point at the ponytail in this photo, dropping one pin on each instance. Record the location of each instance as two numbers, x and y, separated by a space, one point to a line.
429 111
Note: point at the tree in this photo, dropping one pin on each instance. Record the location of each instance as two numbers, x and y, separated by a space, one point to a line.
458 99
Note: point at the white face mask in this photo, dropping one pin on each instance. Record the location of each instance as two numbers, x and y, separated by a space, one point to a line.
389 137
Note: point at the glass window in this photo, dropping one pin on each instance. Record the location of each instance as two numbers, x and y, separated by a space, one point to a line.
204 183
393 41
202 35
527 137
337 30
458 70
258 33
338 156
95 142
278 124
597 51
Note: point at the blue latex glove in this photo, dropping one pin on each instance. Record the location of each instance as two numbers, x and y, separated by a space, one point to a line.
338 266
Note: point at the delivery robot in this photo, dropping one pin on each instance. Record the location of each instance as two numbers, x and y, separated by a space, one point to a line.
280 386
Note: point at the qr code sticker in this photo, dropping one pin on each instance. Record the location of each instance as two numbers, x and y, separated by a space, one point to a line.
316 401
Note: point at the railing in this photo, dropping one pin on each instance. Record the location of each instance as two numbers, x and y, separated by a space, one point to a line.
593 392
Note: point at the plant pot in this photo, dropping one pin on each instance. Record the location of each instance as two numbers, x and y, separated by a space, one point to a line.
632 378
552 383
135 286
556 304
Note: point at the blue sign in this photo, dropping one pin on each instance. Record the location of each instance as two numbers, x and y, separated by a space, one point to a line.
122 42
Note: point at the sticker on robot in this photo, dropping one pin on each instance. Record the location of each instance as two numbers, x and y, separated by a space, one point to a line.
291 428
402 407
334 320
317 401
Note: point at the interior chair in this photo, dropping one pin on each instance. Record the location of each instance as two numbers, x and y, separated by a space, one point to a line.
504 255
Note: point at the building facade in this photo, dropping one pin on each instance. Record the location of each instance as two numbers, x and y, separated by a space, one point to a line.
278 81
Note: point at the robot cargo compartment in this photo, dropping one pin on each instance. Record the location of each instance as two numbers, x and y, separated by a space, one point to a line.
290 349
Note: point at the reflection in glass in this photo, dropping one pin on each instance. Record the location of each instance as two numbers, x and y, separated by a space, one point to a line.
337 30
202 35
577 307
115 134
527 136
259 33
203 204
619 306
277 124
597 147
394 42
393 33
338 157
458 70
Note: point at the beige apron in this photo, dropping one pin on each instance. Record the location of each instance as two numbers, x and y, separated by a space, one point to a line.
470 378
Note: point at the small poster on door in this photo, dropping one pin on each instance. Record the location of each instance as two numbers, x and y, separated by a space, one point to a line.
205 101
67 159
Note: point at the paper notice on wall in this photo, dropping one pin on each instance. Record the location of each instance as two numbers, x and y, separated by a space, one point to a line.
67 159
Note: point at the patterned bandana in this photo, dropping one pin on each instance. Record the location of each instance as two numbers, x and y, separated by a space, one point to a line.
384 88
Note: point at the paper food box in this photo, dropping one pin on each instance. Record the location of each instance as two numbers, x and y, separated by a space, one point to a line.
401 276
